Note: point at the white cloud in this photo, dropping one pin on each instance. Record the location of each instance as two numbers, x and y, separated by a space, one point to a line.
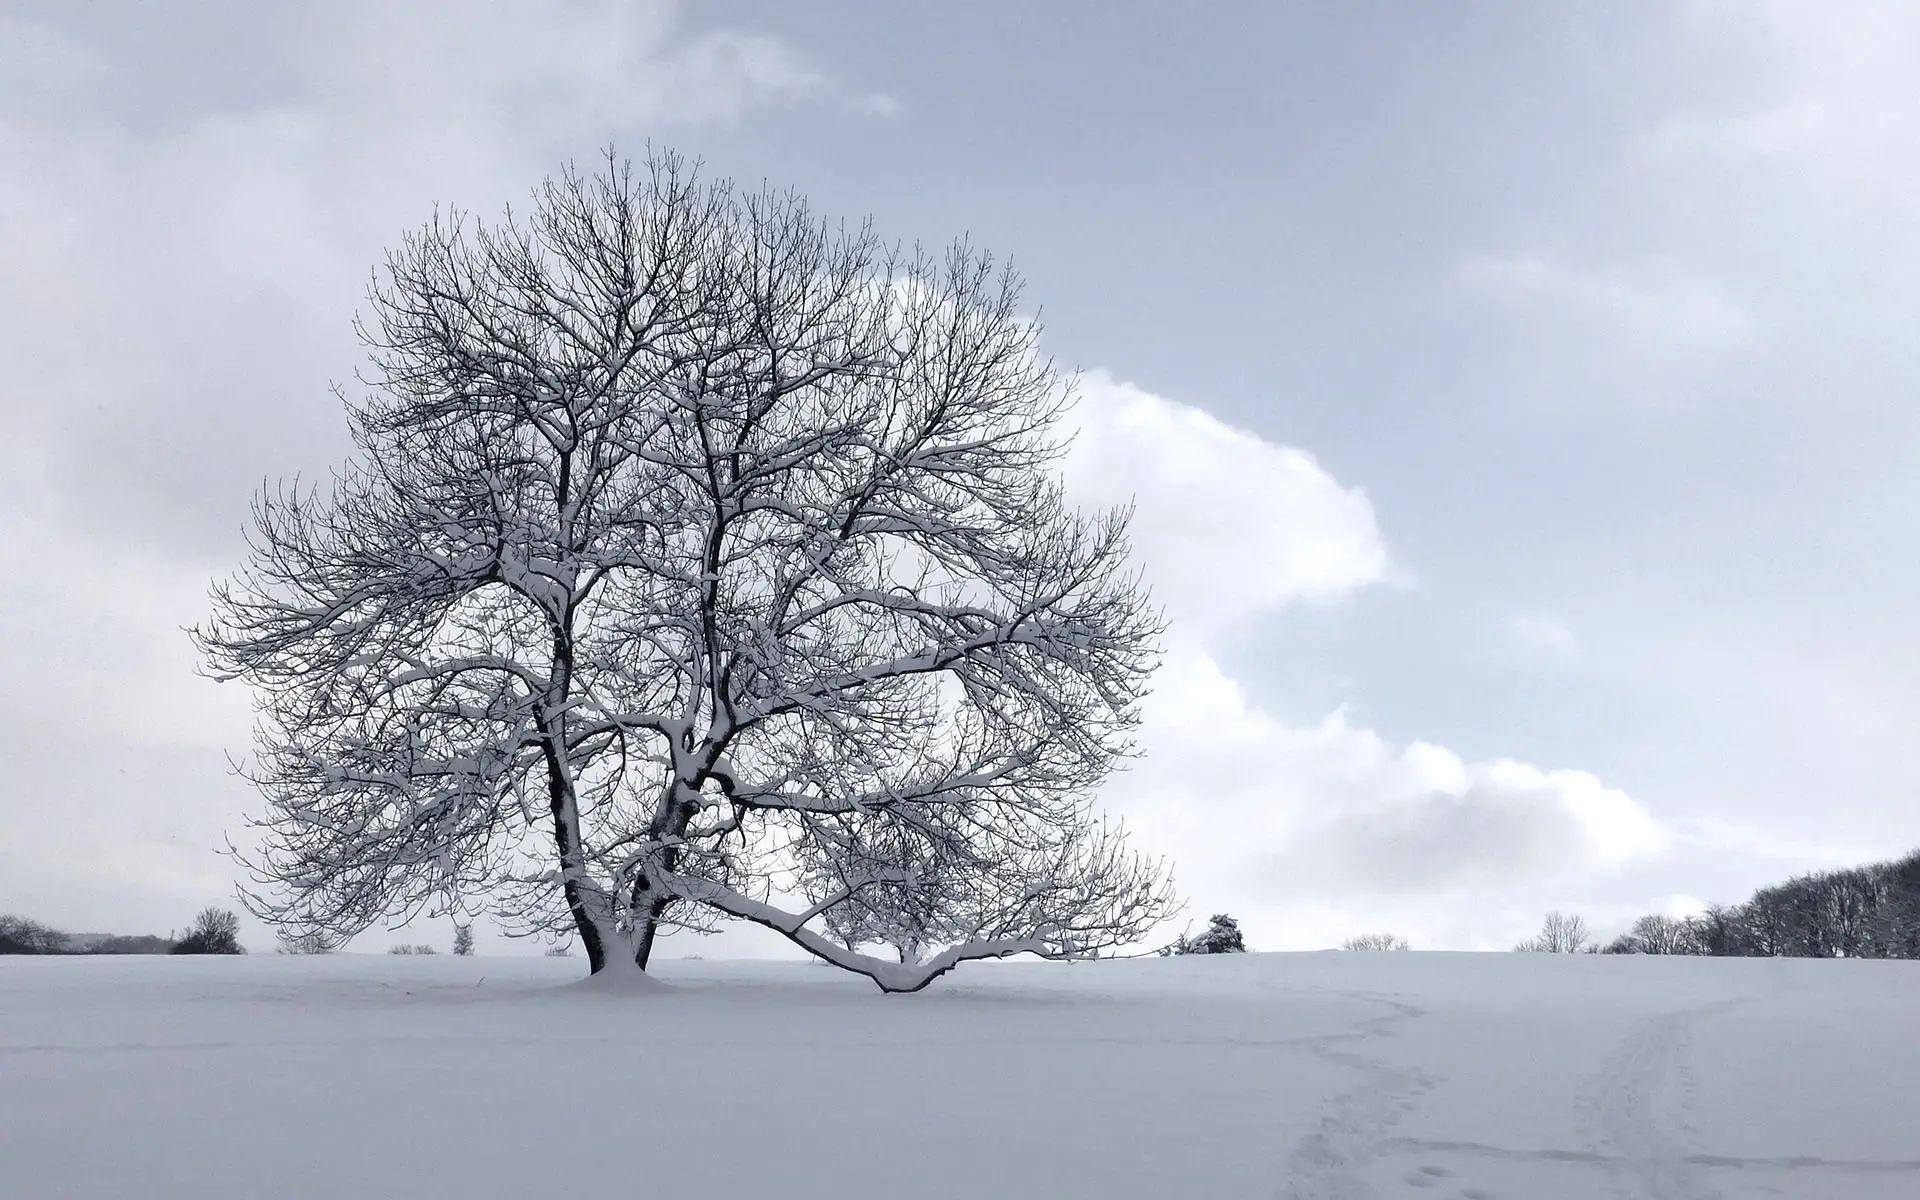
1313 831
184 297
1839 113
1228 524
221 247
1657 307
1538 634
722 76
182 267
1681 906
879 104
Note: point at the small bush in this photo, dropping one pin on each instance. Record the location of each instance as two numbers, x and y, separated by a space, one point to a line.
1375 941
412 948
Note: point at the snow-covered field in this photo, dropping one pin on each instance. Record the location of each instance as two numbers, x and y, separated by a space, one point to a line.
1530 1077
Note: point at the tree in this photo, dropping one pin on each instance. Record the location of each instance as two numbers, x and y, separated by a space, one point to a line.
1376 941
463 940
1221 936
693 547
19 935
1722 931
1658 934
1560 933
1866 912
214 931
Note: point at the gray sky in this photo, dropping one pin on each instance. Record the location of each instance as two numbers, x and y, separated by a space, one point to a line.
1517 397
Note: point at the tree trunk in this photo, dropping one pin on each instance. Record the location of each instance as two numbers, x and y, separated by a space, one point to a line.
560 798
643 938
670 820
566 839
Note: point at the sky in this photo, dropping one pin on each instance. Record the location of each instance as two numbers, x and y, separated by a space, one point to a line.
1517 400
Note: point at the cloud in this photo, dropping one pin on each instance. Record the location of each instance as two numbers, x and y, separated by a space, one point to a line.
1793 126
1550 636
1838 112
1228 524
879 104
197 242
196 255
1657 307
1311 831
729 75
193 200
1329 827
1681 906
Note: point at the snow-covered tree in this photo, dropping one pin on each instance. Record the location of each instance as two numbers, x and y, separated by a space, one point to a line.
698 560
463 940
1221 936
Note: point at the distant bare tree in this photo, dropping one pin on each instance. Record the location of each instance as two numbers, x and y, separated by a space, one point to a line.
1721 930
1771 922
311 943
695 547
411 948
1375 941
214 931
1560 933
1658 934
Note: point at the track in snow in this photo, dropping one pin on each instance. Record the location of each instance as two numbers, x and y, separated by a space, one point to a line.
1640 1106
1330 1162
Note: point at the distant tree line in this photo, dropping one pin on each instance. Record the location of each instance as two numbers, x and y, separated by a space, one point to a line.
214 931
1861 912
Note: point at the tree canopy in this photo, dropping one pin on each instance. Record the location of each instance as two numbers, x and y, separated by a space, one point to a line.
698 559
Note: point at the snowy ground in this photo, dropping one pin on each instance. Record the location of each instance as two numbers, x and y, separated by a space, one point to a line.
1530 1077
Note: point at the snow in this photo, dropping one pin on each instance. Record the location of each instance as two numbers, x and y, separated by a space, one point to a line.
1338 1075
